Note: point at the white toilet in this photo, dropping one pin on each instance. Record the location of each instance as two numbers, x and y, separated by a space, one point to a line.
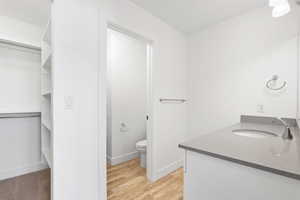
141 147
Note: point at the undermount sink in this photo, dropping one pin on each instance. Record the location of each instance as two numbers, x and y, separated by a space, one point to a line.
253 133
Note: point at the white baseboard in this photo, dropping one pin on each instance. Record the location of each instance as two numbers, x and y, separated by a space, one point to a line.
22 170
167 170
123 158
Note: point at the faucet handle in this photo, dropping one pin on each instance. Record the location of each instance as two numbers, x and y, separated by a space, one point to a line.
288 134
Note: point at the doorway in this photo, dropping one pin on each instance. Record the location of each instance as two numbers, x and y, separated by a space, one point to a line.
129 102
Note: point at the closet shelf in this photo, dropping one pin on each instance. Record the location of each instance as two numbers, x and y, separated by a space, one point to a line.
48 128
47 33
47 124
46 93
47 63
47 155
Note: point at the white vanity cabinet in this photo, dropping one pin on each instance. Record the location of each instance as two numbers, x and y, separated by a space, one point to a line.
209 178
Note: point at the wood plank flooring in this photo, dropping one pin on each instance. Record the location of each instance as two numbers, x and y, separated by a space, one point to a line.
128 181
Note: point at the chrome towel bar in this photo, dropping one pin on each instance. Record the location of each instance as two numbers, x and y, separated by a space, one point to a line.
173 100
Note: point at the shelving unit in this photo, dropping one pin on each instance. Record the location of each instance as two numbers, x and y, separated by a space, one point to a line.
47 124
46 145
46 95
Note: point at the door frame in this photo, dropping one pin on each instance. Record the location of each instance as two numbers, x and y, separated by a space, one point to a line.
104 94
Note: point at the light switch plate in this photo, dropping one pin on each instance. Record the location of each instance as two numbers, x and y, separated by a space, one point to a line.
69 102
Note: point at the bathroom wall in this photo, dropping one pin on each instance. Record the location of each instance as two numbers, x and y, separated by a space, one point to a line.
19 31
127 89
168 78
229 64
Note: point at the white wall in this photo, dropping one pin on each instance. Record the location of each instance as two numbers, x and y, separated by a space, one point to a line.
20 84
20 93
75 100
20 146
230 63
19 68
127 72
19 31
169 79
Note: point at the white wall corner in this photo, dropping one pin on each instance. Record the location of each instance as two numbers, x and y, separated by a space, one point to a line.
22 170
167 170
123 158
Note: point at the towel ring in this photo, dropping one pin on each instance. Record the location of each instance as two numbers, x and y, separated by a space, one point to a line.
274 79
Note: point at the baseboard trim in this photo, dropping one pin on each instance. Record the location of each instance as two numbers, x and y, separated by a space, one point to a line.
22 170
123 158
168 169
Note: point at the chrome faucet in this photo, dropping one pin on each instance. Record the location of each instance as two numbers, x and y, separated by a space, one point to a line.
287 135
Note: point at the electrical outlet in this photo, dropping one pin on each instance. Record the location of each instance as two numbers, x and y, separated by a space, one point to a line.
124 127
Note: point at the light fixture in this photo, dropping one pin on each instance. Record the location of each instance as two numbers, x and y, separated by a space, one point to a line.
280 7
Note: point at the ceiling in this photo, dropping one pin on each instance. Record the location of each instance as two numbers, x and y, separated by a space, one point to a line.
31 11
192 15
185 15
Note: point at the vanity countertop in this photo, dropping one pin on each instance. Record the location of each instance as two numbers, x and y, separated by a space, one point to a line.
272 154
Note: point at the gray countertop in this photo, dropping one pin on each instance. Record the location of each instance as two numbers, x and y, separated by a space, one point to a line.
271 154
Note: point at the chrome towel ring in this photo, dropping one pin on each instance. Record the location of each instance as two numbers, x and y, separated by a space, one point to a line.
270 83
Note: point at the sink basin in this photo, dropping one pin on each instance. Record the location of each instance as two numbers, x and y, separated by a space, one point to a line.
253 133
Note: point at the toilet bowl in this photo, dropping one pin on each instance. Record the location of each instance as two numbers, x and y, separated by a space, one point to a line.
141 147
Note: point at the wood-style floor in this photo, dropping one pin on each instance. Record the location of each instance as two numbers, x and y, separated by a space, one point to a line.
128 181
34 186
